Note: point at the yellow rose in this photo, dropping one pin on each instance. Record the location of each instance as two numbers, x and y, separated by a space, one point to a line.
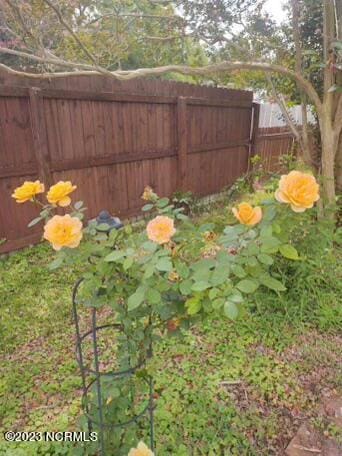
298 189
141 450
58 193
247 215
63 231
28 191
160 229
148 194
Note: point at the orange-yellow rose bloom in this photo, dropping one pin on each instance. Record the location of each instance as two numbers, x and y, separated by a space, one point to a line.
28 191
160 229
298 189
148 194
141 450
63 231
247 215
59 193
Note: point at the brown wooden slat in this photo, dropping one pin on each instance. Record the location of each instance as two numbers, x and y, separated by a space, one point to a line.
275 135
105 96
9 91
224 145
24 170
15 244
39 137
182 131
110 160
222 104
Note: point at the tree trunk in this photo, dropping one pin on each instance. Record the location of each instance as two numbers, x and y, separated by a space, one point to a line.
328 160
338 167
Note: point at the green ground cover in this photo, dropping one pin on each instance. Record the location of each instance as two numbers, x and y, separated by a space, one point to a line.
225 388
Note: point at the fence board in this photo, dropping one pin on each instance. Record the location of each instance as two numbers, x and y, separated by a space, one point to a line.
270 144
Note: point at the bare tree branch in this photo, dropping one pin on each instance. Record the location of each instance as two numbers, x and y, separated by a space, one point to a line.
16 12
305 144
186 70
137 16
53 60
284 111
76 38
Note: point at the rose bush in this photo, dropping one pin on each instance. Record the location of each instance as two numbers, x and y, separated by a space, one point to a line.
161 279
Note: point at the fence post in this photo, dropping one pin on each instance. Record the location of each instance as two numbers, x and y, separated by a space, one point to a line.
182 133
39 136
254 128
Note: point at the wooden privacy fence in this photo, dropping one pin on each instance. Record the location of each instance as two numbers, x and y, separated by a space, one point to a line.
113 138
271 143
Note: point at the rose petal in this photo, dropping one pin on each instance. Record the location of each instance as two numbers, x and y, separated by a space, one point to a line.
298 209
65 201
279 196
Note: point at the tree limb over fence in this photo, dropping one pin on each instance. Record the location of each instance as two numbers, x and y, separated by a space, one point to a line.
158 71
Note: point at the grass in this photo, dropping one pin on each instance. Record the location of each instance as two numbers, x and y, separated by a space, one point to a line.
225 388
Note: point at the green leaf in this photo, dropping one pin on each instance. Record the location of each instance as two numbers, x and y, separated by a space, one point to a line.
247 286
200 286
149 271
217 303
182 217
271 283
34 222
236 297
102 227
147 207
219 276
269 214
252 261
136 298
114 256
238 271
153 296
128 263
266 232
276 228
78 205
164 265
265 259
223 258
163 202
193 305
270 245
55 263
213 293
150 246
185 287
206 227
252 249
182 270
288 251
231 310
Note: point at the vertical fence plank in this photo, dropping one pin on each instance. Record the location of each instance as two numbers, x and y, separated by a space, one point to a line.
39 136
255 128
182 132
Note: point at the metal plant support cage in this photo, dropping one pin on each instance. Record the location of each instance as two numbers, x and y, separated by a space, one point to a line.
101 425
